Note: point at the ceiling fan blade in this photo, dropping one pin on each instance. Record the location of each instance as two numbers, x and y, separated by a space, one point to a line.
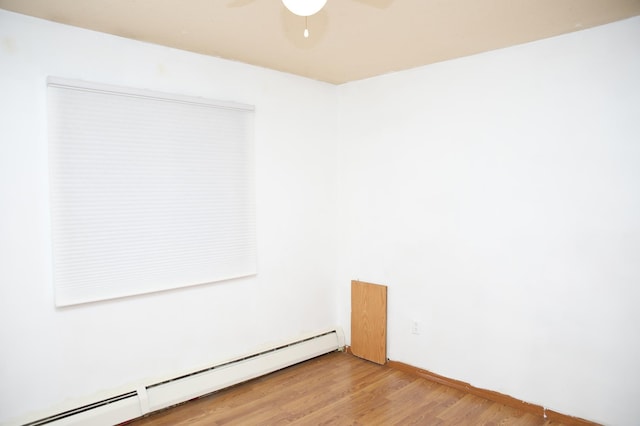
380 4
239 3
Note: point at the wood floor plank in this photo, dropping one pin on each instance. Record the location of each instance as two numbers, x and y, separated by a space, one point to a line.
340 389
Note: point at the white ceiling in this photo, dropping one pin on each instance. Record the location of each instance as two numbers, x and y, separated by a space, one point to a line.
349 40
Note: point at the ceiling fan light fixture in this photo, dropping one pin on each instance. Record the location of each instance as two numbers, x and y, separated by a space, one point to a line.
304 7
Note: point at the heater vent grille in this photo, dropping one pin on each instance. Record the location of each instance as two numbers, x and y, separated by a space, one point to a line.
104 410
248 357
167 393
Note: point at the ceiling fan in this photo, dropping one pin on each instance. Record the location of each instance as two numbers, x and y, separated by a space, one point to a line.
304 8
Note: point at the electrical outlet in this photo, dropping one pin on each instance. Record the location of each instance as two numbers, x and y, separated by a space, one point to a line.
415 327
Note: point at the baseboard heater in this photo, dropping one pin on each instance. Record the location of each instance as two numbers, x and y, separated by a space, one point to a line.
146 399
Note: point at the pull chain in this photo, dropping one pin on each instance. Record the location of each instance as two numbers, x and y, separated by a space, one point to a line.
306 30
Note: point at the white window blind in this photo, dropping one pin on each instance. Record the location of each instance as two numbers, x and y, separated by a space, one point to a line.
148 191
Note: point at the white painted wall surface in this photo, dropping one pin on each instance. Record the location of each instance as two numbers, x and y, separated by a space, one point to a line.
54 359
498 196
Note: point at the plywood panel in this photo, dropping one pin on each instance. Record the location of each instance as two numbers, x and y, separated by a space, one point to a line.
369 321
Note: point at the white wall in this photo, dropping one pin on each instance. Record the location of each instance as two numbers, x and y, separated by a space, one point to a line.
498 196
53 359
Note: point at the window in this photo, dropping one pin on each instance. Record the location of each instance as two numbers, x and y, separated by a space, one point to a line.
148 191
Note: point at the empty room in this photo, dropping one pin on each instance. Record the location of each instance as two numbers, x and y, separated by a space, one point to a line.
194 193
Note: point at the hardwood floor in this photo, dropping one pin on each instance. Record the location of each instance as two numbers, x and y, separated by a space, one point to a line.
340 389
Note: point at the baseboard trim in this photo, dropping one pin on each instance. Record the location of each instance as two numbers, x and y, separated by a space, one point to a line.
184 386
491 395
